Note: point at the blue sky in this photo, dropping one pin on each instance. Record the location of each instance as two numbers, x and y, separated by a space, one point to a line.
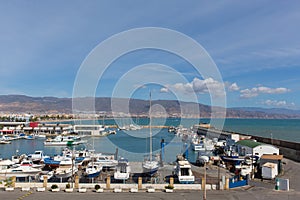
255 45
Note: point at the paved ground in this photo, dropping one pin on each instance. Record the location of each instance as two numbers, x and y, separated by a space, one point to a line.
260 190
242 194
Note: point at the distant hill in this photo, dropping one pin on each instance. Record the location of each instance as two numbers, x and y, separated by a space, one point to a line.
26 104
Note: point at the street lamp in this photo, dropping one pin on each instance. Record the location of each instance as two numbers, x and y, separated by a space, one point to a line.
204 182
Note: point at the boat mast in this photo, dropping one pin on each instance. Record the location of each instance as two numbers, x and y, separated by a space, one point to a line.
150 128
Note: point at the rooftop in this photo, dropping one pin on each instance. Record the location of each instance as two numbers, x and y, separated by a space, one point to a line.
249 143
272 157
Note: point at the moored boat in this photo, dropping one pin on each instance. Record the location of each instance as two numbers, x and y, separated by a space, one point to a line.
64 141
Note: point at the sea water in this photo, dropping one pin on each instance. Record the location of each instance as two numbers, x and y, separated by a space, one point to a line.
134 145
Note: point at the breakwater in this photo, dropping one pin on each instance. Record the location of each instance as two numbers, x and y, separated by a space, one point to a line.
288 149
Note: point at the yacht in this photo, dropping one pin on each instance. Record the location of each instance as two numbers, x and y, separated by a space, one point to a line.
123 170
184 172
19 172
64 141
93 170
106 161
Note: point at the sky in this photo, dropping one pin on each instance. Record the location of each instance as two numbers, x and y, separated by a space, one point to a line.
255 46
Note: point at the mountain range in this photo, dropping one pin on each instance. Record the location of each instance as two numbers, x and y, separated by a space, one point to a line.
51 105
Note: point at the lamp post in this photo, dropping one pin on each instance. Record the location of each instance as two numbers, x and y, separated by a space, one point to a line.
204 192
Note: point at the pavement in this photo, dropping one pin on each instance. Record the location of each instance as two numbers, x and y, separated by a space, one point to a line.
258 190
239 194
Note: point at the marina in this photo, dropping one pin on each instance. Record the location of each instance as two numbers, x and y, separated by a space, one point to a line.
176 159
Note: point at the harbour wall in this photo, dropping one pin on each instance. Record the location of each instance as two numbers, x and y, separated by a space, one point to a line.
288 149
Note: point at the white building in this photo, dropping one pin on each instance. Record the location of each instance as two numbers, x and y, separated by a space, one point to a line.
251 147
269 171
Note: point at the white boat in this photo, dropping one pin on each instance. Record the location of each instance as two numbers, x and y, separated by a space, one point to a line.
29 163
21 171
4 142
93 170
5 163
64 141
149 165
184 172
40 136
37 156
134 127
49 175
106 161
123 170
65 171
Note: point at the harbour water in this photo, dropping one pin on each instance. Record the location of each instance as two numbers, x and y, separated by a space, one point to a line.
134 145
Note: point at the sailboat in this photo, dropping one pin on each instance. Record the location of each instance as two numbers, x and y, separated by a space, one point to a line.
150 166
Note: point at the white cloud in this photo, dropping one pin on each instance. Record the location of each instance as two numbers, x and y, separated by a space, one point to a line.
281 103
164 90
234 87
249 93
198 86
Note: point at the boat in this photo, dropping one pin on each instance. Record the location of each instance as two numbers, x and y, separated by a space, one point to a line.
150 166
93 170
197 145
4 142
37 156
106 161
235 160
64 141
26 162
183 171
51 162
171 129
123 170
65 171
5 163
48 174
29 137
19 172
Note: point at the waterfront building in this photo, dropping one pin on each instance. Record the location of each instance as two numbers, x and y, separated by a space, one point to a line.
252 147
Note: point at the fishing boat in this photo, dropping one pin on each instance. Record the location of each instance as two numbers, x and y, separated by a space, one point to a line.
235 160
197 145
123 170
149 165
